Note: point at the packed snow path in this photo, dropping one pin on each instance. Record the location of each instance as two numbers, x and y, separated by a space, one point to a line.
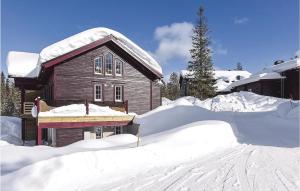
244 167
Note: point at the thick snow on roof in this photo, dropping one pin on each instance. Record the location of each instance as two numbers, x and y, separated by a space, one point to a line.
80 110
224 77
257 77
92 35
287 65
23 64
271 72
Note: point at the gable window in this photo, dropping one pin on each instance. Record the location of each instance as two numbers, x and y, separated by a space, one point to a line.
118 67
108 63
98 65
118 130
98 92
118 93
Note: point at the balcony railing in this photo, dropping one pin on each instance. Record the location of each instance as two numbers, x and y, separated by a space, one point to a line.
27 106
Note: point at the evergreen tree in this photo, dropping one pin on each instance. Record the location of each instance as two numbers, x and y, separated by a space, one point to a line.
173 87
202 81
163 89
239 66
10 98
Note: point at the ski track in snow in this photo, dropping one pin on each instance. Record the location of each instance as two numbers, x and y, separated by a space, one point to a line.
245 167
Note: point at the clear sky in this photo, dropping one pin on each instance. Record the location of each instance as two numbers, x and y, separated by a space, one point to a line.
253 32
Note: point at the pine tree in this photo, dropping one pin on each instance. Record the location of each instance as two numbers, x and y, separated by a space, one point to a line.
239 66
163 89
202 81
10 97
173 87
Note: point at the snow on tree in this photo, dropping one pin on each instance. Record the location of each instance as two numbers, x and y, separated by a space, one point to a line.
201 83
10 97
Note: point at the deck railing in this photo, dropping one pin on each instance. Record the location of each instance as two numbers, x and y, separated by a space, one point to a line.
27 106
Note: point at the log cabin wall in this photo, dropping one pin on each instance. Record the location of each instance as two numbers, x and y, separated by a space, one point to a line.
291 84
74 81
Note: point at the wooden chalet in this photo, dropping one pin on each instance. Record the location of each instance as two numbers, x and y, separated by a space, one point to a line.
280 80
104 72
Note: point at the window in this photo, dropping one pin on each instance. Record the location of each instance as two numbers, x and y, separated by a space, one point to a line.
118 130
98 65
118 67
99 132
108 63
118 93
98 92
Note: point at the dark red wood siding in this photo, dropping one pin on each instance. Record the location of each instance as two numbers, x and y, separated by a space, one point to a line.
75 79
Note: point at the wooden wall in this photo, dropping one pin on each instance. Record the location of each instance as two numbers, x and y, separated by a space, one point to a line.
74 81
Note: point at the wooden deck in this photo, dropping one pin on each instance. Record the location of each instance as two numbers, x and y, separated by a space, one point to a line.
76 121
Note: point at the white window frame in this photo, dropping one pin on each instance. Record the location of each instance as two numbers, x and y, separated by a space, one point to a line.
101 89
121 130
101 58
112 64
121 67
121 93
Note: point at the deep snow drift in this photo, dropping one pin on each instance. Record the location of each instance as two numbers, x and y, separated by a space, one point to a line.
10 131
240 141
80 110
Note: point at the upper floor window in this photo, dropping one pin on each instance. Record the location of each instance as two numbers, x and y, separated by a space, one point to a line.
118 67
98 92
118 93
98 64
108 63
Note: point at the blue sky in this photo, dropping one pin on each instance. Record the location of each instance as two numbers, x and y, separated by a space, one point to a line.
255 33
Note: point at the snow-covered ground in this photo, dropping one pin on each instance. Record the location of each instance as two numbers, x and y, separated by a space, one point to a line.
240 141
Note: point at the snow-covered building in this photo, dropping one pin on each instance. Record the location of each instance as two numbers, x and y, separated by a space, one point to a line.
279 80
99 65
223 79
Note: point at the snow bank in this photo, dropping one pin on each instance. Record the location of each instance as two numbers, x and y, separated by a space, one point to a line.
11 130
23 64
92 35
165 101
242 102
103 165
80 110
107 142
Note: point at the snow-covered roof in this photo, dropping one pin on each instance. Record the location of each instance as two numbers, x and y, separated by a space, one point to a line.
23 64
287 65
224 77
271 72
31 63
86 37
257 77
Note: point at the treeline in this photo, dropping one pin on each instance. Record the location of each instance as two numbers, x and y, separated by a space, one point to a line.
171 89
10 97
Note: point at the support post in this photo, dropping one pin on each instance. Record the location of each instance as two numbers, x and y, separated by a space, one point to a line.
39 130
126 106
138 134
86 107
39 135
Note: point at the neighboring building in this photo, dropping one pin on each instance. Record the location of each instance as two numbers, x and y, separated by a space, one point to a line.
280 80
98 65
223 79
